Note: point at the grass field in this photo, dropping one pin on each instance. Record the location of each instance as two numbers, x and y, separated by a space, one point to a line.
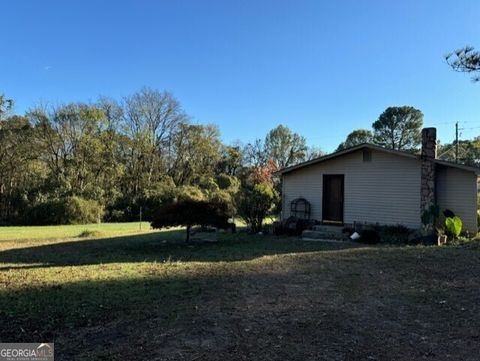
149 297
71 231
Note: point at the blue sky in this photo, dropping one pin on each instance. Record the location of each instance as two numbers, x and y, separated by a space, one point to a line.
323 68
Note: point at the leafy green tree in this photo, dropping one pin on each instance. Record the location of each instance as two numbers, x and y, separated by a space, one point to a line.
398 128
195 153
189 193
21 172
224 197
468 152
228 187
73 145
280 146
228 182
465 60
357 137
254 204
231 159
155 196
285 147
257 198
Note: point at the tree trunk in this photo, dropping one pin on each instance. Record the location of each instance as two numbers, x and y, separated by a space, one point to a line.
257 226
188 234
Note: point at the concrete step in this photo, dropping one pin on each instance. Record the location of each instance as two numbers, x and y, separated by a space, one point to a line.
322 235
328 228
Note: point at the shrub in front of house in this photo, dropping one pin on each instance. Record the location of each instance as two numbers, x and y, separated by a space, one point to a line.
369 236
394 234
387 234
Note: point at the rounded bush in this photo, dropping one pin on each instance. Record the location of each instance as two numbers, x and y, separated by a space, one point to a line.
68 210
223 197
190 193
82 211
228 182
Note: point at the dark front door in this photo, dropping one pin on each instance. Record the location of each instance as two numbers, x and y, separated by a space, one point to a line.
333 198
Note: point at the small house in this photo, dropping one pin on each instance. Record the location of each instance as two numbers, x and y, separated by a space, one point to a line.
371 184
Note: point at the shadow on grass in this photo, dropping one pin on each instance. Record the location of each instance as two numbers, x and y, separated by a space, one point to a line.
61 312
314 307
157 247
159 316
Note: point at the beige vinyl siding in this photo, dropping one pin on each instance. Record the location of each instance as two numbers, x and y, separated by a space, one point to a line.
457 191
385 190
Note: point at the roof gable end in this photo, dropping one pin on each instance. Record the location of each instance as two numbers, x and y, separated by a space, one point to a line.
344 152
400 153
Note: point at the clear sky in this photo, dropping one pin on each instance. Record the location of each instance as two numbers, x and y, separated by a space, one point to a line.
323 68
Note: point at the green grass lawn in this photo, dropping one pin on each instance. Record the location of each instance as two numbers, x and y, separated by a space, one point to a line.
148 296
71 231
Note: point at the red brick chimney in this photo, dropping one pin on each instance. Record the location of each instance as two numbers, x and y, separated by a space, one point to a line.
428 156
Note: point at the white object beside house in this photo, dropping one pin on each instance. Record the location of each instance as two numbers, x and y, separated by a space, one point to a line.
370 184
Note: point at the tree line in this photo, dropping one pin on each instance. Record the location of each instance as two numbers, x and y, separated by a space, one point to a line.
112 159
